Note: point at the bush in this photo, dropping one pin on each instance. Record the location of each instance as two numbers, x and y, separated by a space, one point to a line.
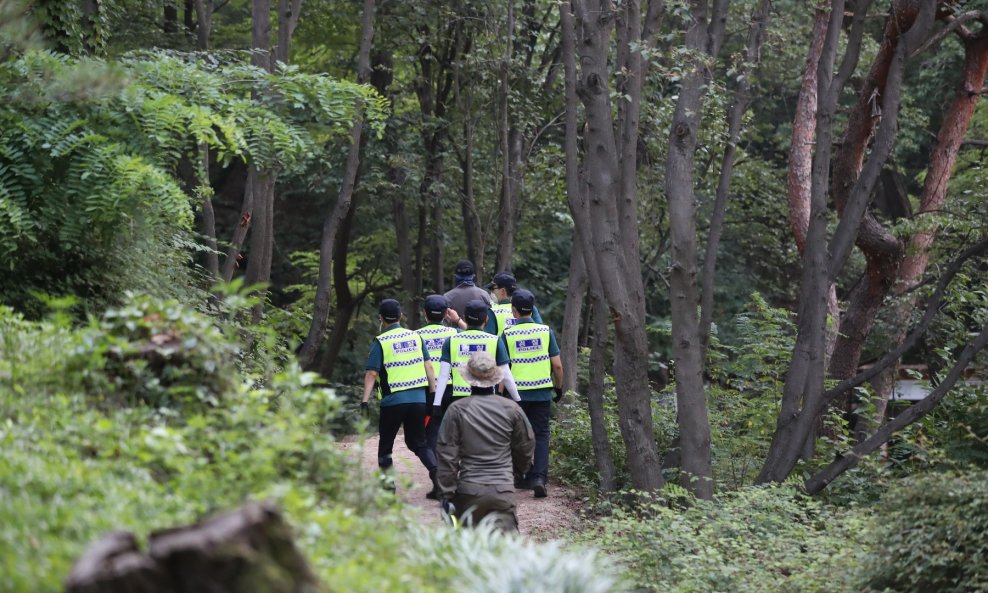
760 540
933 536
72 470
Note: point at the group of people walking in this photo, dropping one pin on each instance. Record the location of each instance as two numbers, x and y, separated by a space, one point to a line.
442 383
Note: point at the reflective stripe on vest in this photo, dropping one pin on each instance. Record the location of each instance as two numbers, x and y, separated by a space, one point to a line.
528 348
461 348
402 350
505 319
435 336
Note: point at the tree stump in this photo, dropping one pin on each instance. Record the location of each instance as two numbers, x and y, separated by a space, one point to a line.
249 550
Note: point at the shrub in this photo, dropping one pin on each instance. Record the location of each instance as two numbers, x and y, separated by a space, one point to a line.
753 540
933 536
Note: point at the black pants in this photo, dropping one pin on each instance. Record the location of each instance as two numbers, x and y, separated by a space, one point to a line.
432 431
538 417
411 417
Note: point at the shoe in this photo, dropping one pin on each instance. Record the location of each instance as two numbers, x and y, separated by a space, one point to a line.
539 487
523 484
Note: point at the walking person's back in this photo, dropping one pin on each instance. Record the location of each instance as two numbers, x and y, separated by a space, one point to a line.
484 441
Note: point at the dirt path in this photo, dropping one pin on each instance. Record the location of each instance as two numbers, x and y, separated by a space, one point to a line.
541 519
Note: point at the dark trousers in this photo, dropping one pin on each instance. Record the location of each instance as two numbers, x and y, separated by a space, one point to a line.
411 417
498 508
432 431
538 417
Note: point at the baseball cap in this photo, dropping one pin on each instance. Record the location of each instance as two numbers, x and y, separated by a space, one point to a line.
435 303
523 300
476 312
390 310
464 267
502 280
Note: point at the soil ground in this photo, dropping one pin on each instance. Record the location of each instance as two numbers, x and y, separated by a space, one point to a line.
539 518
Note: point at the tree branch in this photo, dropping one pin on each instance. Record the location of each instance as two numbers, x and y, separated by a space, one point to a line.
931 311
820 480
953 24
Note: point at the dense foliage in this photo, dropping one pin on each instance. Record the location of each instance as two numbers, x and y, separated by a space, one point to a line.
91 198
80 459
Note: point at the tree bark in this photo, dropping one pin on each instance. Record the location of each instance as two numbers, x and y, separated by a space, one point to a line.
703 34
619 271
510 151
331 225
806 368
250 549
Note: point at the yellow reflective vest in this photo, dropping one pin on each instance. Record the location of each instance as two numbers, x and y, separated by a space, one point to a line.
461 348
528 349
404 366
435 335
502 312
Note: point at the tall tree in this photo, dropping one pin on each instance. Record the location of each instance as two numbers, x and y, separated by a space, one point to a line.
341 210
611 210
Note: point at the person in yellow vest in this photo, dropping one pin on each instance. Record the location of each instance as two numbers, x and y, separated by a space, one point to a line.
502 286
398 364
538 374
435 333
457 351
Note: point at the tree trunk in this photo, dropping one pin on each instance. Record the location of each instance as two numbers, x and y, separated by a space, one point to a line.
576 290
345 303
204 23
703 35
331 225
619 271
742 98
509 136
804 384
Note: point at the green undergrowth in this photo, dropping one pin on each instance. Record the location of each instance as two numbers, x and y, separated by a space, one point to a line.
146 419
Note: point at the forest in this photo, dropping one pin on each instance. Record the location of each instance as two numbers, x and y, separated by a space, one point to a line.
754 227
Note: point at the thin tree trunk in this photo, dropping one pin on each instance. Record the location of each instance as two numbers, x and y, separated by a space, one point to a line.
331 225
506 211
806 368
231 262
576 290
204 23
742 99
595 396
345 303
694 424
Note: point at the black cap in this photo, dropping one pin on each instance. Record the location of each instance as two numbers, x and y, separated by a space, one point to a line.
436 303
390 310
476 312
464 267
523 300
502 280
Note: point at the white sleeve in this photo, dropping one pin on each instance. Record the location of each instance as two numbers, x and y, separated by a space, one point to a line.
509 383
444 370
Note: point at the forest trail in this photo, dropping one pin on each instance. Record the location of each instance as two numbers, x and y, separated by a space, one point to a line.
540 519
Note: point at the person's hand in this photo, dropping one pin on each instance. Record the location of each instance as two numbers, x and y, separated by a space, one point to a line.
452 316
559 394
437 412
364 408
